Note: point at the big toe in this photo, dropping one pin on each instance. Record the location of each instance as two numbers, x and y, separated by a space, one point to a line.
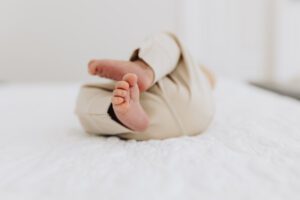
92 68
131 79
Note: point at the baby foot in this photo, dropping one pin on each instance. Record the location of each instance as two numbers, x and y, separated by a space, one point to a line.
126 103
115 70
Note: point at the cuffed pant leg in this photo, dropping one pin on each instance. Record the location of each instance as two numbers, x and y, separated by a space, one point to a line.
160 52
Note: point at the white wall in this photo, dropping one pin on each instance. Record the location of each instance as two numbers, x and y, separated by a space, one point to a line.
229 36
288 40
54 39
246 39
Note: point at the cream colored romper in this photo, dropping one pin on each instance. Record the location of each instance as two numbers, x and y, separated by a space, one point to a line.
179 102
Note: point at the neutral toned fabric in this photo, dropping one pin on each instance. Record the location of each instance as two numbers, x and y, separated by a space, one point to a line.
179 102
250 152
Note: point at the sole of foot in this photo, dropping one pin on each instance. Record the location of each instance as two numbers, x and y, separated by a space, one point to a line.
126 103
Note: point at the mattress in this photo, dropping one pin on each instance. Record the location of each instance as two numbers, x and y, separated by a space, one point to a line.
251 150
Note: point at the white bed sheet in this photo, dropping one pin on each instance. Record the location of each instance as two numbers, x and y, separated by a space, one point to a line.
251 151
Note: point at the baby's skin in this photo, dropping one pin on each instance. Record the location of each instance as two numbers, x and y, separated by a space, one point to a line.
132 79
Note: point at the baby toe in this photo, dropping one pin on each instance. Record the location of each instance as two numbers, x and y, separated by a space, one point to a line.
120 93
117 100
122 85
92 68
130 78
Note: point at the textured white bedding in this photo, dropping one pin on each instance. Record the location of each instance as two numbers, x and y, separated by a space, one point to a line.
251 151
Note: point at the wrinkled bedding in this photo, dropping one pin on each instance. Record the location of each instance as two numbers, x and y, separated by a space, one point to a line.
251 151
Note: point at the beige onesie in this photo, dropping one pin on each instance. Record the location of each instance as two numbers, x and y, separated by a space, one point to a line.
179 102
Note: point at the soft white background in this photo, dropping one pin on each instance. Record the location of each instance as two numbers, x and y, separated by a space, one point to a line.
53 40
246 39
